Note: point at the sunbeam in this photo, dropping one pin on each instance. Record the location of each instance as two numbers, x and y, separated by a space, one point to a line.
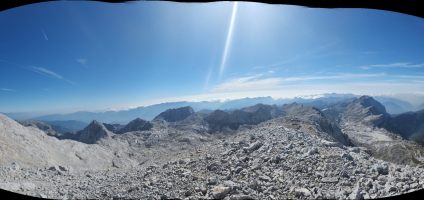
228 40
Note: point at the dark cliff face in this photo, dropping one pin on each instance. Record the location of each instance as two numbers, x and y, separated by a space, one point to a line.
136 125
174 115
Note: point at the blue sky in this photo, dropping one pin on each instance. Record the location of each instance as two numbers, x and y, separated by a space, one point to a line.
69 56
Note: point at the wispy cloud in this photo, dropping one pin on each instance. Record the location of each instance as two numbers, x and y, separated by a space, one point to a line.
44 35
261 82
82 61
306 54
208 78
254 82
333 76
7 90
393 65
49 73
369 52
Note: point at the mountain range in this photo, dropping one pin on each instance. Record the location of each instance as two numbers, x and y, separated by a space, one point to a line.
362 121
73 122
351 144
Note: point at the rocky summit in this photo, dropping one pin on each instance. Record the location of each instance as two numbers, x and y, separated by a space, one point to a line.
294 151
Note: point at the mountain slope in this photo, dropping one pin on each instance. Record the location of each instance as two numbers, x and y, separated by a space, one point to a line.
29 146
394 105
48 129
364 121
409 125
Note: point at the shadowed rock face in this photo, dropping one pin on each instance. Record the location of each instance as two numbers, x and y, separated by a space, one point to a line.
136 125
174 115
93 133
409 125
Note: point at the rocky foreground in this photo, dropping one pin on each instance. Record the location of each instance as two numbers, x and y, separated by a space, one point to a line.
277 159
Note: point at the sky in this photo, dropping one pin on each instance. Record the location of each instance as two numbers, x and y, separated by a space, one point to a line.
68 56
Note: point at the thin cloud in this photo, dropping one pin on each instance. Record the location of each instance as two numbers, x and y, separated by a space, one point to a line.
335 76
297 90
82 61
7 90
393 65
260 82
49 73
306 54
248 83
369 52
208 78
44 35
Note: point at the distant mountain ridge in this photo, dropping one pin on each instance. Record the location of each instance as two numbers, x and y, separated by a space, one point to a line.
175 114
393 106
361 121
